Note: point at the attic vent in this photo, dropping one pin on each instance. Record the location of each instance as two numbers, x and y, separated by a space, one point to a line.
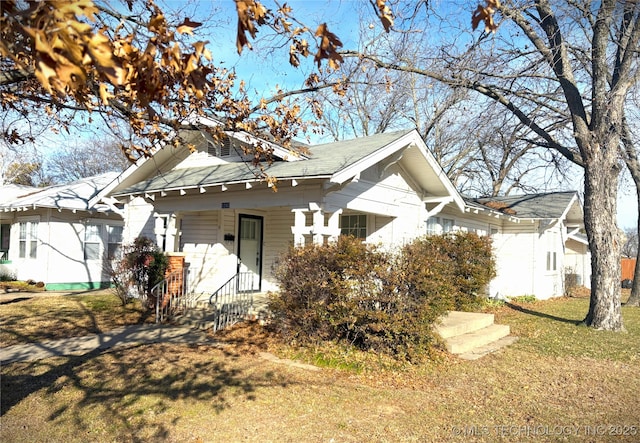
225 148
222 150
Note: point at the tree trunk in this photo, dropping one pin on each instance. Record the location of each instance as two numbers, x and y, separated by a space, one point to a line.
634 298
601 185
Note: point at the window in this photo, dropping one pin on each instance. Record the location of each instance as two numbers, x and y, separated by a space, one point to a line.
114 241
551 261
248 229
552 247
28 239
5 230
437 225
92 237
447 225
355 225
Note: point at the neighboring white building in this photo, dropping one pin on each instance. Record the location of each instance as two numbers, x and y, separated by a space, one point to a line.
212 207
59 235
536 241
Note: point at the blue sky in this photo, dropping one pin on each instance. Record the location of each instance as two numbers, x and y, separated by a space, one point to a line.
263 71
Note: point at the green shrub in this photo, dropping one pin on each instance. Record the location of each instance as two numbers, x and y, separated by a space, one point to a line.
7 276
357 294
459 264
141 266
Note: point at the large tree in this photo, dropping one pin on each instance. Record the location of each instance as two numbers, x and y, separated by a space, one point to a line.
136 63
564 69
85 158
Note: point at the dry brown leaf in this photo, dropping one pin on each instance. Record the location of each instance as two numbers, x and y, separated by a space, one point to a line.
187 26
385 14
485 14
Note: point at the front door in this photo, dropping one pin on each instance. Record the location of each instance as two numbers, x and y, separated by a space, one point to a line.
250 253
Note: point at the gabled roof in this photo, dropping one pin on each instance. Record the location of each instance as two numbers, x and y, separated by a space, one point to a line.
10 192
552 205
337 162
73 196
323 162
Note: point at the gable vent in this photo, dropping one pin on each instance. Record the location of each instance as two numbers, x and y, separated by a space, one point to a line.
225 148
221 150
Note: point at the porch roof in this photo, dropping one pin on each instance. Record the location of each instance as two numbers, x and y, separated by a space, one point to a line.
324 161
73 196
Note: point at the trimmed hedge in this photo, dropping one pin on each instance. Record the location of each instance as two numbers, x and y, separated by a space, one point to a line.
351 292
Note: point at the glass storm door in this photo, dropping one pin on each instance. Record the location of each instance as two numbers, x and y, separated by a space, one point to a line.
250 253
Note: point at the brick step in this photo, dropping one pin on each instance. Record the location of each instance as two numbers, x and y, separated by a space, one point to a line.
457 323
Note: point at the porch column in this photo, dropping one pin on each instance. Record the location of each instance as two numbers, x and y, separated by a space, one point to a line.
333 225
317 230
299 229
166 231
172 233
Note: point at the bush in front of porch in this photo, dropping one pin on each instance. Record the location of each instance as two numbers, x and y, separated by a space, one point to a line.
358 294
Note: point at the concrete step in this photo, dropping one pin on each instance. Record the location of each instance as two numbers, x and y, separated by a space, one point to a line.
202 324
457 323
489 348
460 344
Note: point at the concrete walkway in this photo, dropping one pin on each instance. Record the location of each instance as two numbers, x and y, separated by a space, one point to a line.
116 338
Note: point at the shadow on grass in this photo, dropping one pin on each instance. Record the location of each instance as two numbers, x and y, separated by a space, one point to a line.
542 314
34 321
14 300
130 388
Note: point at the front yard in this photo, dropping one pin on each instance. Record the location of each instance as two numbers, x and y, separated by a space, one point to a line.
558 382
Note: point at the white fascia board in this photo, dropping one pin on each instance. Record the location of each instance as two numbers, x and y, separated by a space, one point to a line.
442 176
573 201
356 168
448 199
477 210
116 181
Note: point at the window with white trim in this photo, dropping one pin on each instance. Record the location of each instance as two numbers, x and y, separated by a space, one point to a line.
92 240
5 240
114 241
552 256
28 239
439 225
355 225
102 239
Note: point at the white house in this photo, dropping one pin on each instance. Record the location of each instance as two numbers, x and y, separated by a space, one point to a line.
212 207
536 240
59 235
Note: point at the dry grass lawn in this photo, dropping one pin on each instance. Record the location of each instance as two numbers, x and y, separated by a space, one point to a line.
559 382
28 319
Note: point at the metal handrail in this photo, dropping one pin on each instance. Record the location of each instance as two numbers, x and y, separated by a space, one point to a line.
171 294
230 303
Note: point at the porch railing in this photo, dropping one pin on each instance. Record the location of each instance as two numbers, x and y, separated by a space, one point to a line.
172 295
233 300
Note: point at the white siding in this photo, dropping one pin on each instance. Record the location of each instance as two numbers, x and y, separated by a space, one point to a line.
140 220
60 259
397 212
277 239
211 263
578 260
